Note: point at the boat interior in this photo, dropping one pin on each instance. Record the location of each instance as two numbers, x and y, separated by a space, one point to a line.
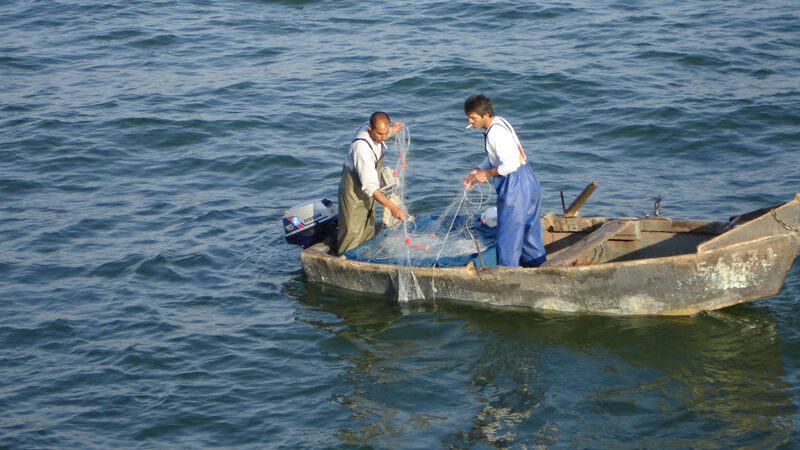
571 240
576 241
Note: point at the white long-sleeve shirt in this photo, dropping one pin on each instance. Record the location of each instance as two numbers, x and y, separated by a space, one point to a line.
362 157
503 149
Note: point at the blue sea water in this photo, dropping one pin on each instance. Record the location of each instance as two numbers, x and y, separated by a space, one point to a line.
149 148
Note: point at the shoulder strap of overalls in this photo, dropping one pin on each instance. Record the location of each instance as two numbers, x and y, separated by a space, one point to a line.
377 157
503 123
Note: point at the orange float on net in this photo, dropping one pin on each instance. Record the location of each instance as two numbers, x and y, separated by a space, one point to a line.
403 164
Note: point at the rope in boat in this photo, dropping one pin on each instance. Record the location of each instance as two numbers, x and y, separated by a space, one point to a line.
784 224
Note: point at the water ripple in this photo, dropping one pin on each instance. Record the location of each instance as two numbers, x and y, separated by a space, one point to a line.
148 150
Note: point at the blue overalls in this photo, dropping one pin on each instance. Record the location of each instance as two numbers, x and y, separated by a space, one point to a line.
519 200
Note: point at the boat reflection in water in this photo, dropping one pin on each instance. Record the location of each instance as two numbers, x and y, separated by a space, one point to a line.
463 376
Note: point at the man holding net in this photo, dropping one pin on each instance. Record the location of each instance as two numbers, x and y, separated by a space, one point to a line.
358 188
519 230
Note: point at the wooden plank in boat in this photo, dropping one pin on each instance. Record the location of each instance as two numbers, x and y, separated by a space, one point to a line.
609 230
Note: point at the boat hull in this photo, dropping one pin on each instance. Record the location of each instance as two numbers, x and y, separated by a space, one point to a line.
713 277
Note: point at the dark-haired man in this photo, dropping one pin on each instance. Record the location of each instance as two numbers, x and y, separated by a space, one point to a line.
358 188
519 199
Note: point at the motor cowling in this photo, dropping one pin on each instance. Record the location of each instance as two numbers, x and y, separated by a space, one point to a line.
309 223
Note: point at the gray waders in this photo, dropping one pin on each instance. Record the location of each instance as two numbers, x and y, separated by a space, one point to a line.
356 211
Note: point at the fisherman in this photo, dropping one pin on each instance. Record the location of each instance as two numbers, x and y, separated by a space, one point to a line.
519 199
358 188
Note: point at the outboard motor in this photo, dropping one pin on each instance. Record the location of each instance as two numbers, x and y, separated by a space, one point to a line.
309 223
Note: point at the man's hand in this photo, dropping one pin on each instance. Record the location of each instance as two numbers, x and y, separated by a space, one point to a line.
397 126
397 212
474 177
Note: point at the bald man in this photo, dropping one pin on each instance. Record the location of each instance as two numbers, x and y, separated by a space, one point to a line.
358 189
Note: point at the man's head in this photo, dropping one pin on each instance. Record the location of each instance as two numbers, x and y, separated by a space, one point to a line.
479 111
379 126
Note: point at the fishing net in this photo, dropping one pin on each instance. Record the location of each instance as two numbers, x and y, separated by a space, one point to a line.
453 238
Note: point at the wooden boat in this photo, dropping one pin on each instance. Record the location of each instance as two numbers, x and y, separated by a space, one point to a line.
622 266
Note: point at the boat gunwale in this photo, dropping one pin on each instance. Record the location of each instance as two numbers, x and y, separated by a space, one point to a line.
472 269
